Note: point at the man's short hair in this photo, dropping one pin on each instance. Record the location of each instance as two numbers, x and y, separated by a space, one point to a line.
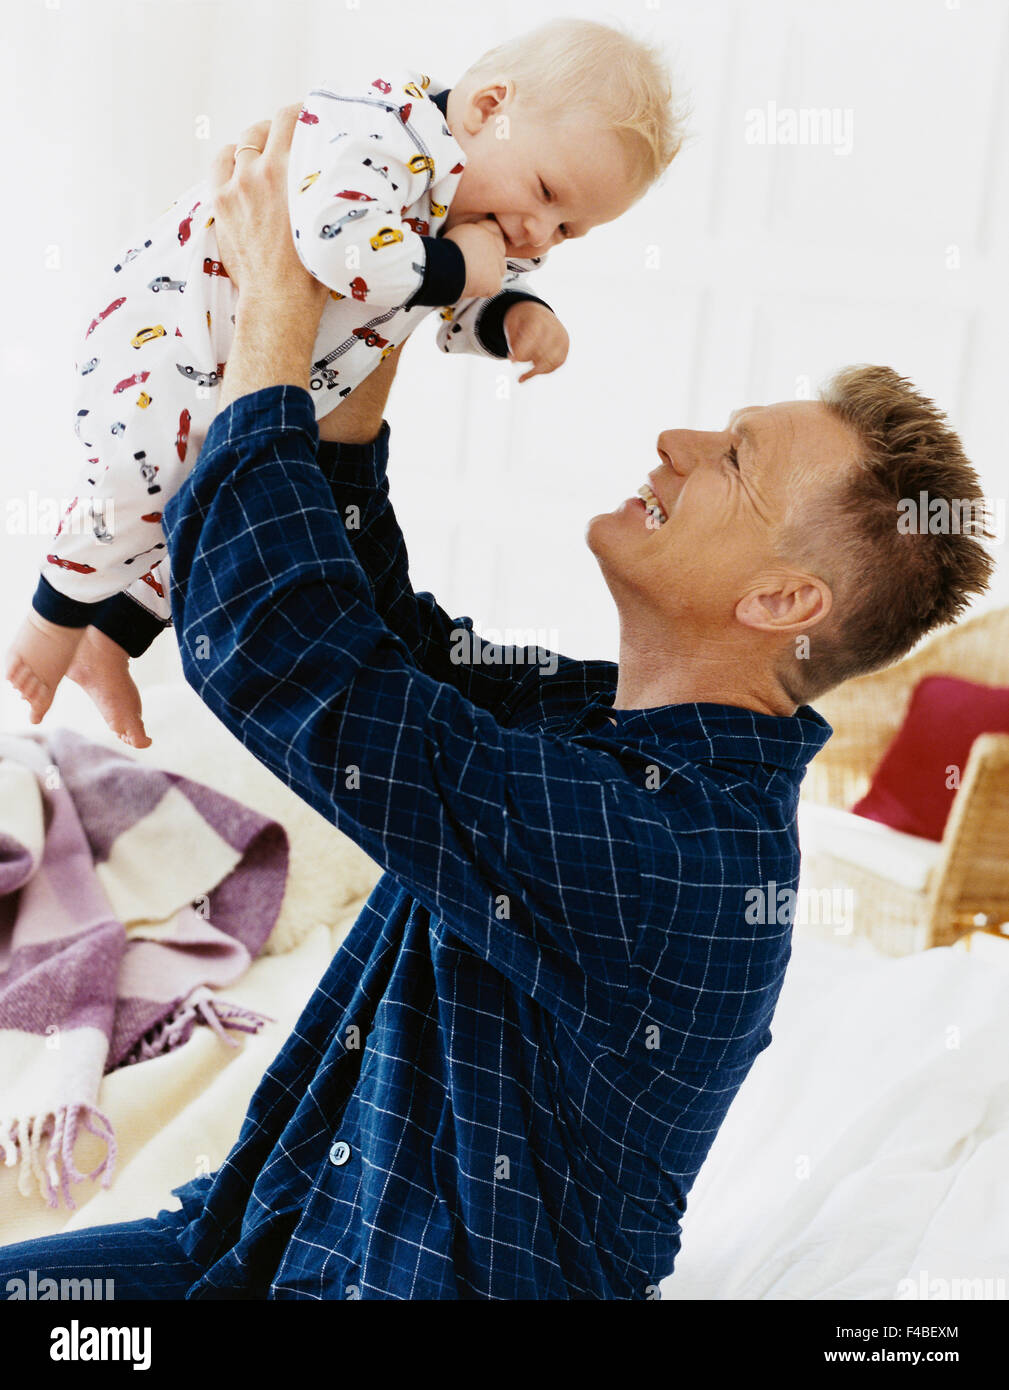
580 69
899 540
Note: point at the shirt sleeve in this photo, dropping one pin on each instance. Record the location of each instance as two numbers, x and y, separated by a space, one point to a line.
519 844
477 325
358 162
446 648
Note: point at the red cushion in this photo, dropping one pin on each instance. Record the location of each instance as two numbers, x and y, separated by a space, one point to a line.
909 791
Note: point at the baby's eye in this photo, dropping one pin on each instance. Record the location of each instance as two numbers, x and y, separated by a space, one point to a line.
545 191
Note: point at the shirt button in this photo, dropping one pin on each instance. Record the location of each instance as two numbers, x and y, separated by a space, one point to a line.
339 1154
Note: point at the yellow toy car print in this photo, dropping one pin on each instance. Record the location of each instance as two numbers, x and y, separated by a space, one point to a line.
309 179
147 335
438 209
386 236
412 90
143 400
419 163
448 313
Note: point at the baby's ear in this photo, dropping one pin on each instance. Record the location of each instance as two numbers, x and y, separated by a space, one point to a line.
487 101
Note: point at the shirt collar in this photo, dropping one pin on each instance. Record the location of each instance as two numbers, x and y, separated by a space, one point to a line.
712 732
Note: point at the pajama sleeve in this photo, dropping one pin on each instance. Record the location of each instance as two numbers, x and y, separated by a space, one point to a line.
446 648
359 160
477 325
488 826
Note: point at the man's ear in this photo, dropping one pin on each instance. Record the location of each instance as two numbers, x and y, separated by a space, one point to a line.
488 101
785 603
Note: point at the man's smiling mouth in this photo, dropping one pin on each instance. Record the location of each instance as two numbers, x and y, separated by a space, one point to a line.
653 507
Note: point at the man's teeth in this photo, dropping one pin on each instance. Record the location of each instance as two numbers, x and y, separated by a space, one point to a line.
652 505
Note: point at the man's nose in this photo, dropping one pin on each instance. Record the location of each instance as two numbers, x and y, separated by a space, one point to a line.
684 449
672 450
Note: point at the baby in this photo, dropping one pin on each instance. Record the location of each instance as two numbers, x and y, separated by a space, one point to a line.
405 197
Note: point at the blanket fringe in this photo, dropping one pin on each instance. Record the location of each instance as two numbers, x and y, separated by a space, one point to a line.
199 1006
43 1147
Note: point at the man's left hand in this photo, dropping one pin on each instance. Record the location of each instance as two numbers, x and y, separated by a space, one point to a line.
535 334
252 220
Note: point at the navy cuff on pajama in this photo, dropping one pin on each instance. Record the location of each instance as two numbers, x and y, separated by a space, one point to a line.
120 617
58 608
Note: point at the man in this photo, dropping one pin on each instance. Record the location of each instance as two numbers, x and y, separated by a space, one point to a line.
509 1077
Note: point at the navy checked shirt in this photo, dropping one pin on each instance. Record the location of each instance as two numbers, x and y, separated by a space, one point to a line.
510 1074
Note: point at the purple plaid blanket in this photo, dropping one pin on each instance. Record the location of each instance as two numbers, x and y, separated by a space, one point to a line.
127 896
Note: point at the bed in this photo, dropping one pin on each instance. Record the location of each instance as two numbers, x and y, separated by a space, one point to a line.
865 1153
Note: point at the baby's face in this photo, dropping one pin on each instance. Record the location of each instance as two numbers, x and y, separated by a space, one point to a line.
541 182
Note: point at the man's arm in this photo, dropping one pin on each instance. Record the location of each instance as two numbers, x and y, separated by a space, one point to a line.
521 845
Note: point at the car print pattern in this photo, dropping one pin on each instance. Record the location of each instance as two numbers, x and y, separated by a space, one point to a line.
158 339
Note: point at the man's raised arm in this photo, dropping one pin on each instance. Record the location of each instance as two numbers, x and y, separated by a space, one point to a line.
522 845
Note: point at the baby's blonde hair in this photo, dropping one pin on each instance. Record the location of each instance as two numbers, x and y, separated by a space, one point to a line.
571 67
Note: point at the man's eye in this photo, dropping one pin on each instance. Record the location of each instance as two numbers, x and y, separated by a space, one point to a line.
733 457
564 229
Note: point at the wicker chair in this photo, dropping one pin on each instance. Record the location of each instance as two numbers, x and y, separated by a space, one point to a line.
968 887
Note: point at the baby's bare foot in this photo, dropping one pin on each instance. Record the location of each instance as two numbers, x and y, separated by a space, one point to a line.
39 658
102 668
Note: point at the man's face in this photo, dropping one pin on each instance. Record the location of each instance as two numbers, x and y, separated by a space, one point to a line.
542 181
725 494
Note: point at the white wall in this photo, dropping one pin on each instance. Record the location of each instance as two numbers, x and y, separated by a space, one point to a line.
746 277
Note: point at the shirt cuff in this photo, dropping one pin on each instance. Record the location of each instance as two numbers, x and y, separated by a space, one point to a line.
356 463
444 274
272 410
489 327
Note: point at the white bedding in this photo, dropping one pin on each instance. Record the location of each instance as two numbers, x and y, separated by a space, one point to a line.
867 1153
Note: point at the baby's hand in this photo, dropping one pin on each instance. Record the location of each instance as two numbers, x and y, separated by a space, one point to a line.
535 334
483 247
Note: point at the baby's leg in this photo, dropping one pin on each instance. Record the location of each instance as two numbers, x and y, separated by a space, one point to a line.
39 658
102 668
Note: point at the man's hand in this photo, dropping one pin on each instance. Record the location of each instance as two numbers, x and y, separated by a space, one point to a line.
279 302
535 334
483 247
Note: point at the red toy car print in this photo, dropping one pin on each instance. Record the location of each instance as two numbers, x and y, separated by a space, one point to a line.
404 112
382 86
418 224
457 168
308 117
137 379
148 578
354 196
369 336
186 226
212 267
359 288
182 438
70 565
116 304
152 516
